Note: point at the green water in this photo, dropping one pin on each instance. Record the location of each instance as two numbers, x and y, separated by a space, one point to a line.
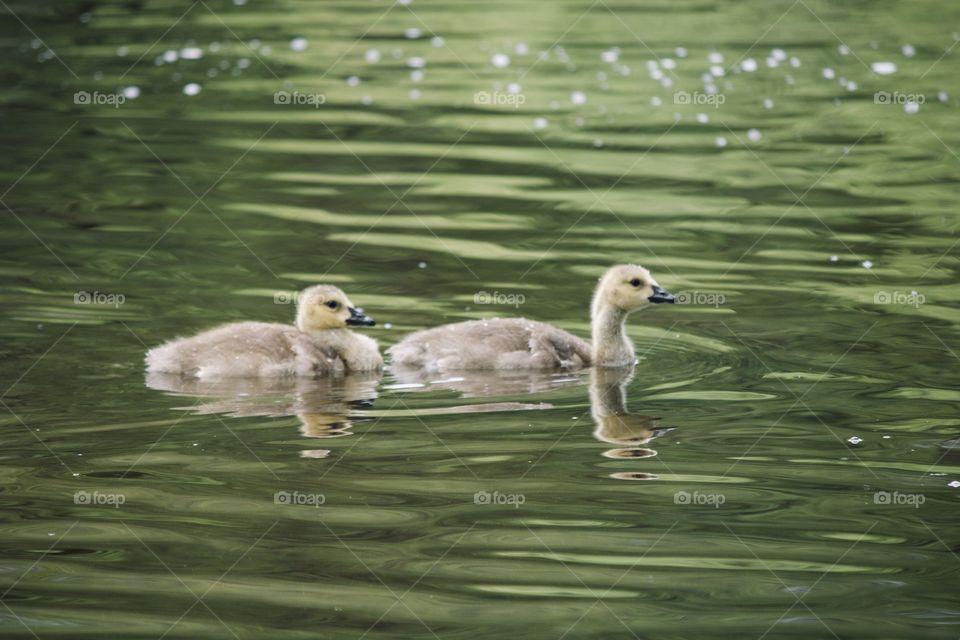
774 467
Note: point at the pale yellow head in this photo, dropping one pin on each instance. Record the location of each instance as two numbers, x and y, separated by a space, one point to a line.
325 307
626 288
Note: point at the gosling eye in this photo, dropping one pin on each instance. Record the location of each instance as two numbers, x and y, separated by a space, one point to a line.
333 304
636 282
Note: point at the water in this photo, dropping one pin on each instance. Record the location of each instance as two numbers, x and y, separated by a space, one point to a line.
776 466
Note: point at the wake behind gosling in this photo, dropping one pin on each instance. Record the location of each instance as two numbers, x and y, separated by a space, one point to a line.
318 344
519 343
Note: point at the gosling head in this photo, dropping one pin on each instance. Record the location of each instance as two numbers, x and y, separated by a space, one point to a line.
325 307
628 287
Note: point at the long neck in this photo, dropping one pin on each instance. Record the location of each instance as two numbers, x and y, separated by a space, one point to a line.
611 347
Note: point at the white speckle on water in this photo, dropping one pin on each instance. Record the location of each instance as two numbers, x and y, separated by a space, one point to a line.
421 265
668 63
412 33
911 106
717 71
829 73
772 62
299 44
955 484
680 52
942 96
578 97
656 73
702 118
656 101
353 81
854 440
666 83
514 88
416 62
131 93
191 53
437 41
844 50
170 55
795 62
414 94
908 50
754 135
834 258
243 63
191 89
417 75
521 49
610 55
720 142
122 51
239 3
388 325
366 100
372 56
540 123
749 65
767 103
867 264
851 85
715 58
598 143
884 68
778 54
500 60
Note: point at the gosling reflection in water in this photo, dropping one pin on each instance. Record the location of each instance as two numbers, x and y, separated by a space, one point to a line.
325 407
613 424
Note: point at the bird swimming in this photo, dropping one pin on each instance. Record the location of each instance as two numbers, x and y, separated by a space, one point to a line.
519 343
320 343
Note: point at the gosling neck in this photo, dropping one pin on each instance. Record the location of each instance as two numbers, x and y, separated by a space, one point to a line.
611 347
349 347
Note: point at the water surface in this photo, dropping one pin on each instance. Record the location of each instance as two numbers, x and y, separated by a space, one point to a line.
778 465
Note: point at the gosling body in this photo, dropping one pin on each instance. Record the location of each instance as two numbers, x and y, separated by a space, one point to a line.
319 344
519 343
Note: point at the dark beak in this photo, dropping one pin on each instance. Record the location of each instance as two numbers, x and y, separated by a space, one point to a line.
661 295
357 317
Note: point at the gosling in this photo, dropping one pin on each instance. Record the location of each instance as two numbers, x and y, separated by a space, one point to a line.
320 344
519 343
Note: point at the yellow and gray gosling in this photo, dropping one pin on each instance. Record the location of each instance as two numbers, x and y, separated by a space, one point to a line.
319 344
519 343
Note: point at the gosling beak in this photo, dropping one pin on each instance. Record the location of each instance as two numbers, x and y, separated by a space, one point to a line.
357 317
661 295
